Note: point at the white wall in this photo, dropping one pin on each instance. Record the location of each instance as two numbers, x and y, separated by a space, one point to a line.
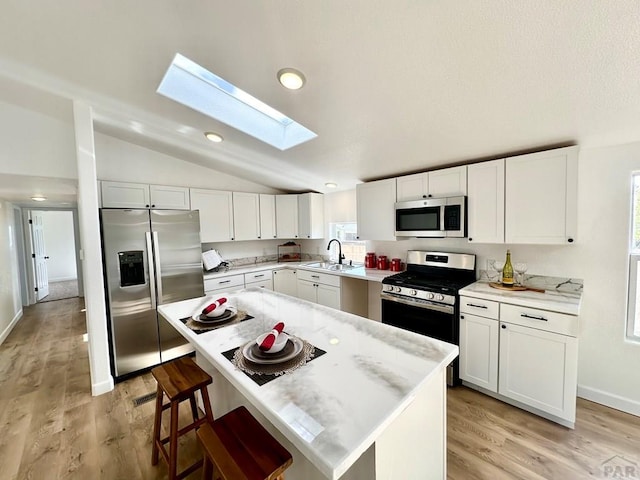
121 161
10 301
35 144
59 245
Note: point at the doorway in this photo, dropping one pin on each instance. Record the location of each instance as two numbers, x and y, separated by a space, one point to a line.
52 254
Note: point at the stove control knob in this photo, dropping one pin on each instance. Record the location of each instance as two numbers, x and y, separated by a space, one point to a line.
440 297
389 288
398 289
430 296
413 293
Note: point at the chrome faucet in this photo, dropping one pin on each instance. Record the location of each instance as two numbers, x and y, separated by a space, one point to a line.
340 255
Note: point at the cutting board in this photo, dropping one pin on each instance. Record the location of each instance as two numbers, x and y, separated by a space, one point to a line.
515 288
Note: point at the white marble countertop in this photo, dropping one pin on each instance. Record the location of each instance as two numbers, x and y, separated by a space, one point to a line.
359 272
344 399
563 300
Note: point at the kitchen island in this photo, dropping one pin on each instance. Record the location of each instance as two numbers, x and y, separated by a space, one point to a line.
372 407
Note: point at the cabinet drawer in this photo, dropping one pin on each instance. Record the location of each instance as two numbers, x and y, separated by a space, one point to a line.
223 282
477 306
257 276
324 278
266 283
540 319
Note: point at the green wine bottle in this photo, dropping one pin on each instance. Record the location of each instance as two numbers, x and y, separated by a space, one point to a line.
507 271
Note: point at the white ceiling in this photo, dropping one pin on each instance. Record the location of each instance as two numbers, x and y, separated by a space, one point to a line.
392 86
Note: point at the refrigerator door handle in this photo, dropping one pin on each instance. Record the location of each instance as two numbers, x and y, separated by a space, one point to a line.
156 253
152 273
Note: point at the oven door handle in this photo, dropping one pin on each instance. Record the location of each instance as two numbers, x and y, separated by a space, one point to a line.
412 303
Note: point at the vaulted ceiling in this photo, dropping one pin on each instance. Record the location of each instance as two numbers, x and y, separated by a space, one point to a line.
392 86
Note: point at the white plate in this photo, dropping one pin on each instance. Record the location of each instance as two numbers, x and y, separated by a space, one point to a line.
297 348
228 315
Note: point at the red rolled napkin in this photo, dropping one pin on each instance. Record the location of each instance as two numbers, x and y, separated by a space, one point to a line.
270 339
212 307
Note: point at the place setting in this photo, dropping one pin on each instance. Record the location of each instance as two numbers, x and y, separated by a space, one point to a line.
272 354
214 315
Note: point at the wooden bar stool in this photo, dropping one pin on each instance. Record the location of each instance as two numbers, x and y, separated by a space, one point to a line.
237 447
178 380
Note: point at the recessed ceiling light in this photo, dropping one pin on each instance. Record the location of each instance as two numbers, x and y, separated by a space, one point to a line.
39 198
330 185
214 137
291 78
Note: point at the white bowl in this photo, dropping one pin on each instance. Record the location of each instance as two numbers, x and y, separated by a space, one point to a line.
279 344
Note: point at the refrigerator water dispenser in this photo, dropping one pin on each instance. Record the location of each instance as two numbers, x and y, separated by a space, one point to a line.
131 265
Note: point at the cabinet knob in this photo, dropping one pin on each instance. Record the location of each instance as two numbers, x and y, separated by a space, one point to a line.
232 238
424 196
153 206
430 195
470 239
462 316
504 326
570 240
147 206
258 236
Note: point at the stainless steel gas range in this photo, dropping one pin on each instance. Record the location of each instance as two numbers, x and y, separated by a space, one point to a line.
424 299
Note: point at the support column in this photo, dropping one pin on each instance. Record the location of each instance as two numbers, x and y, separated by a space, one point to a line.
91 253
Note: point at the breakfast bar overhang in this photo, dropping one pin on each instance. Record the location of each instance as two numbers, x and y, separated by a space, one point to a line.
372 407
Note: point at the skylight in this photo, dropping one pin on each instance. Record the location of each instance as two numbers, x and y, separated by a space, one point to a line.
188 83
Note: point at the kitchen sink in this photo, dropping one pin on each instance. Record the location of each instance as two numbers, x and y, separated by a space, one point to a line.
330 266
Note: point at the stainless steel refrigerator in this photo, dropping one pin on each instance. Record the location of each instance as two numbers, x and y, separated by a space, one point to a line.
151 257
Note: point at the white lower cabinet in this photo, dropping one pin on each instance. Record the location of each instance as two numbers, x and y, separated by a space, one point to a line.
319 288
479 351
539 369
522 355
285 281
230 283
260 279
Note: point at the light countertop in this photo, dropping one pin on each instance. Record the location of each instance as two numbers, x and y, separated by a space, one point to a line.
359 272
344 399
561 295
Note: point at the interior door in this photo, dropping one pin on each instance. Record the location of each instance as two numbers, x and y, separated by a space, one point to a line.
39 255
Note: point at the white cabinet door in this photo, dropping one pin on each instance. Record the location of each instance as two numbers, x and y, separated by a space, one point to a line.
125 195
287 216
539 369
448 182
412 187
376 210
328 296
485 202
479 351
168 197
246 216
307 291
311 215
285 281
267 216
216 214
541 197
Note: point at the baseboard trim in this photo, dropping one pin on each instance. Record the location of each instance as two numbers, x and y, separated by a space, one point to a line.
102 387
62 279
5 333
623 404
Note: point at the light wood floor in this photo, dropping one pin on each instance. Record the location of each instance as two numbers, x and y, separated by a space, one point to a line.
52 428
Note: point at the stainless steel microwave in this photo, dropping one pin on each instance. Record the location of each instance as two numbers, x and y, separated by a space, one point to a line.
432 217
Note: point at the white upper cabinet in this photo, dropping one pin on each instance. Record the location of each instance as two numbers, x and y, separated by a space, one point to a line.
541 197
142 195
412 187
125 195
267 216
485 202
246 216
311 215
287 216
376 210
216 214
169 198
446 182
